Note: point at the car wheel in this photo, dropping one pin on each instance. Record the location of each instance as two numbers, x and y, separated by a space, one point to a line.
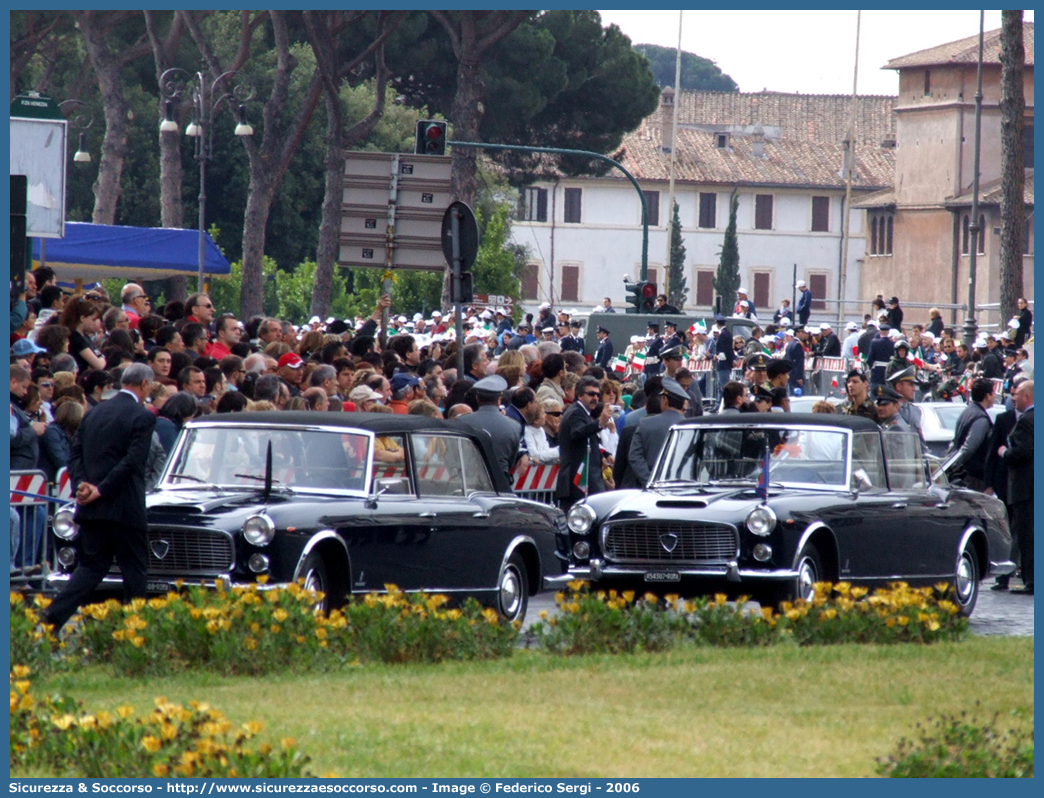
966 580
809 571
513 590
315 579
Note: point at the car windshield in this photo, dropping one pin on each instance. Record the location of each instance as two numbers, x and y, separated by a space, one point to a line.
737 455
302 459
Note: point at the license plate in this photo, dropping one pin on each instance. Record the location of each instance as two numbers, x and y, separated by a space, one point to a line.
662 576
158 587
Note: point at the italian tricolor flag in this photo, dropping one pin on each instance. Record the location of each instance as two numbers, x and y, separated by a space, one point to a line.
580 478
620 364
639 359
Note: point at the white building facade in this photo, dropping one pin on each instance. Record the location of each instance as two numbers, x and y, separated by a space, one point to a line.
779 155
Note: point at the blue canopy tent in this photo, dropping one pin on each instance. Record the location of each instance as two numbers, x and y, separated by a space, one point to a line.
90 252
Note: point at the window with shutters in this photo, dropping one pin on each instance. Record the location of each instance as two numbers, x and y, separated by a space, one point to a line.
705 287
708 210
652 203
762 283
572 205
982 235
965 234
570 282
817 283
763 212
821 214
533 203
531 280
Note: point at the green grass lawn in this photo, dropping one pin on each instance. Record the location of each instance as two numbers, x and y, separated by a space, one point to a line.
780 711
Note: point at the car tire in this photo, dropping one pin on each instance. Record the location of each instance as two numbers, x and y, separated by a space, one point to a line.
315 578
966 580
809 571
513 589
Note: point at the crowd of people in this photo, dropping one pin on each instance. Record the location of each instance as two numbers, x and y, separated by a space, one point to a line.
601 416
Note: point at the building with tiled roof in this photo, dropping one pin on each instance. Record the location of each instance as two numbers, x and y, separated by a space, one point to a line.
918 228
781 155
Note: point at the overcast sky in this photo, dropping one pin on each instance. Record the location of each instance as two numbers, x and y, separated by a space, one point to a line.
812 52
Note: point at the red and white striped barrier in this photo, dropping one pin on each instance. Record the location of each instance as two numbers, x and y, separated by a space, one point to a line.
35 482
538 478
63 489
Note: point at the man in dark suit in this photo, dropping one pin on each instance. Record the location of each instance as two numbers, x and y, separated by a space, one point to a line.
578 445
107 466
996 475
1018 456
652 431
723 354
604 353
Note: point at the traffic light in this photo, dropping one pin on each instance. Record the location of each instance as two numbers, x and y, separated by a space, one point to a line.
641 296
648 297
464 290
431 137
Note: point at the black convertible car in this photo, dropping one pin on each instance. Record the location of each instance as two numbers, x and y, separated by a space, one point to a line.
767 504
348 502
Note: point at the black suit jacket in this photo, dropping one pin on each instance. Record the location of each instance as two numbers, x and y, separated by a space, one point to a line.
578 438
110 450
996 469
1019 457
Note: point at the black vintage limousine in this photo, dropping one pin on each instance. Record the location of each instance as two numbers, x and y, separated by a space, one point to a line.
767 504
346 502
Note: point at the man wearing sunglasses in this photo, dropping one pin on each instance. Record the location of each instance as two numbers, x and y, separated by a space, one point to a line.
135 303
580 473
200 309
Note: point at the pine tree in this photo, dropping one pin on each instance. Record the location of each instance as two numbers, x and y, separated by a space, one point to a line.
679 285
727 278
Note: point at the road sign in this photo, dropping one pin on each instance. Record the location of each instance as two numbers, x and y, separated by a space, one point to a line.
468 235
392 209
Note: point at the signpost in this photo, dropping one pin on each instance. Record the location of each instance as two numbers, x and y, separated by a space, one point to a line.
460 248
38 133
392 210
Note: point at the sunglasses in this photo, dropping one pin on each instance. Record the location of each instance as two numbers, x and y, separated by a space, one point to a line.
208 307
46 384
555 413
593 394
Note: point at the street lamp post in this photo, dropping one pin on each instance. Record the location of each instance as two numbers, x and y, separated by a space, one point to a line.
206 96
80 117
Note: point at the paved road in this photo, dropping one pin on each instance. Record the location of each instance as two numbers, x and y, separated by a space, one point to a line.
997 613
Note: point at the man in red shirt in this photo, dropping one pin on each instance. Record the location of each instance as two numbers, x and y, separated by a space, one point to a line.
226 335
405 388
135 303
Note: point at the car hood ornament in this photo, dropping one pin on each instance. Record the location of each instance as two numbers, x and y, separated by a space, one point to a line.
160 548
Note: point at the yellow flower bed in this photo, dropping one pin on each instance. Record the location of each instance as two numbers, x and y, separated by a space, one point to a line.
590 622
55 735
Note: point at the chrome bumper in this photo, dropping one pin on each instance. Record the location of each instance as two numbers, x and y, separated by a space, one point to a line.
598 570
114 582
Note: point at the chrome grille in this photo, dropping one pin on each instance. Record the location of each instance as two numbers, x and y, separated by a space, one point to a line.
191 552
693 543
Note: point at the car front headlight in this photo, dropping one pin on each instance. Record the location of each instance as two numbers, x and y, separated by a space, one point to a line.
259 530
761 521
63 524
580 518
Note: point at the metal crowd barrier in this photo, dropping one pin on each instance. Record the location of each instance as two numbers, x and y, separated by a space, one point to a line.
32 547
538 484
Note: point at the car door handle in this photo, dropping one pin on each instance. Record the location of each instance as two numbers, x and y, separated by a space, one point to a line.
480 514
428 514
942 506
899 506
